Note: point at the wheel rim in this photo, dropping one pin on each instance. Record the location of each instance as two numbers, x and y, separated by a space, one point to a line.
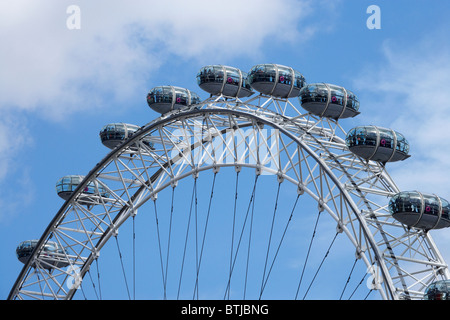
355 213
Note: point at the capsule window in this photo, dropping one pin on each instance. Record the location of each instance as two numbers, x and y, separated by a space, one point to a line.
307 94
351 136
398 203
25 245
314 93
211 75
370 136
445 209
156 95
195 99
181 97
270 74
66 180
394 204
206 75
284 75
337 95
168 95
386 139
414 204
233 76
431 205
442 286
258 69
431 287
299 81
360 136
406 202
259 74
321 92
438 290
352 101
245 83
218 74
402 144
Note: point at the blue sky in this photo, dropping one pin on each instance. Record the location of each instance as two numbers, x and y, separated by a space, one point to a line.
58 86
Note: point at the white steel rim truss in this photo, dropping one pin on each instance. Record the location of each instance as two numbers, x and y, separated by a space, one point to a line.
310 154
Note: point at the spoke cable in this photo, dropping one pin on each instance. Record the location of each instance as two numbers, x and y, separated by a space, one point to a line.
362 280
159 244
204 232
196 231
187 236
234 223
318 269
281 240
307 255
348 279
82 290
270 239
365 298
134 259
227 290
249 245
123 269
93 284
170 231
98 279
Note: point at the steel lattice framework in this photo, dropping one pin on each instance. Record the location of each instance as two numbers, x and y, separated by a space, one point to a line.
300 149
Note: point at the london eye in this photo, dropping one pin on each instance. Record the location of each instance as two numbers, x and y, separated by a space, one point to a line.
230 196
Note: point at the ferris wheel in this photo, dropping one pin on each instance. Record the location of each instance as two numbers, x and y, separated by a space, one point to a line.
232 196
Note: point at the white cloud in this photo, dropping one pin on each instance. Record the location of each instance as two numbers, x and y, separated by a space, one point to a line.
119 44
16 189
409 92
50 72
10 141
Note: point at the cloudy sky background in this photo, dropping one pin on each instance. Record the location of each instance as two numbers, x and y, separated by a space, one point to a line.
58 86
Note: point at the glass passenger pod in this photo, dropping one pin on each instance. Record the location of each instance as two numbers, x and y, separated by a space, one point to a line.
328 100
68 184
420 210
276 80
114 134
439 290
223 80
164 99
377 144
52 255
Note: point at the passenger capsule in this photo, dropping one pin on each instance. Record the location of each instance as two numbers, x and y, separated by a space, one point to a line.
223 80
164 99
114 134
420 210
439 290
377 144
53 255
328 100
68 184
276 80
